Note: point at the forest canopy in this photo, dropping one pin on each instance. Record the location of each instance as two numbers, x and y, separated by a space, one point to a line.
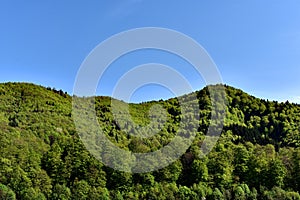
43 157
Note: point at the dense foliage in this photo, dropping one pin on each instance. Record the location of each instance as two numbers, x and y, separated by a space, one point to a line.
42 156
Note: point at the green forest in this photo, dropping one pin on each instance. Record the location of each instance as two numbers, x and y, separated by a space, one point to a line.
43 157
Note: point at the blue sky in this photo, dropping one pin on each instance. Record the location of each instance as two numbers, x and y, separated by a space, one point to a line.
255 44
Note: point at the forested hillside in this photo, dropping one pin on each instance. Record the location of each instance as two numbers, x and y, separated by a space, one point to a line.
42 156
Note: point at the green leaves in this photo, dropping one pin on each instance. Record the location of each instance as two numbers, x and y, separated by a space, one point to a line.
6 193
42 156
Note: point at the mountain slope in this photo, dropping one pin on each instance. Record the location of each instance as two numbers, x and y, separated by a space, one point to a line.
42 157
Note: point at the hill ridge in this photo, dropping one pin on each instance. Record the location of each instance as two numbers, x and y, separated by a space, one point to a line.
43 157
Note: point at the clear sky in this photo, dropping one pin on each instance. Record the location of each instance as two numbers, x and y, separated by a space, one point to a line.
254 43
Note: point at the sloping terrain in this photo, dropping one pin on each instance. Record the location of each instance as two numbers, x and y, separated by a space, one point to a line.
42 156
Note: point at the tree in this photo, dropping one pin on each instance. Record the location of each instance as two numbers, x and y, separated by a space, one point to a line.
199 171
241 158
239 193
61 192
276 173
186 193
6 193
217 195
80 190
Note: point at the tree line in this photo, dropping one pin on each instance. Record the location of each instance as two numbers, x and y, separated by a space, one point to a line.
43 157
